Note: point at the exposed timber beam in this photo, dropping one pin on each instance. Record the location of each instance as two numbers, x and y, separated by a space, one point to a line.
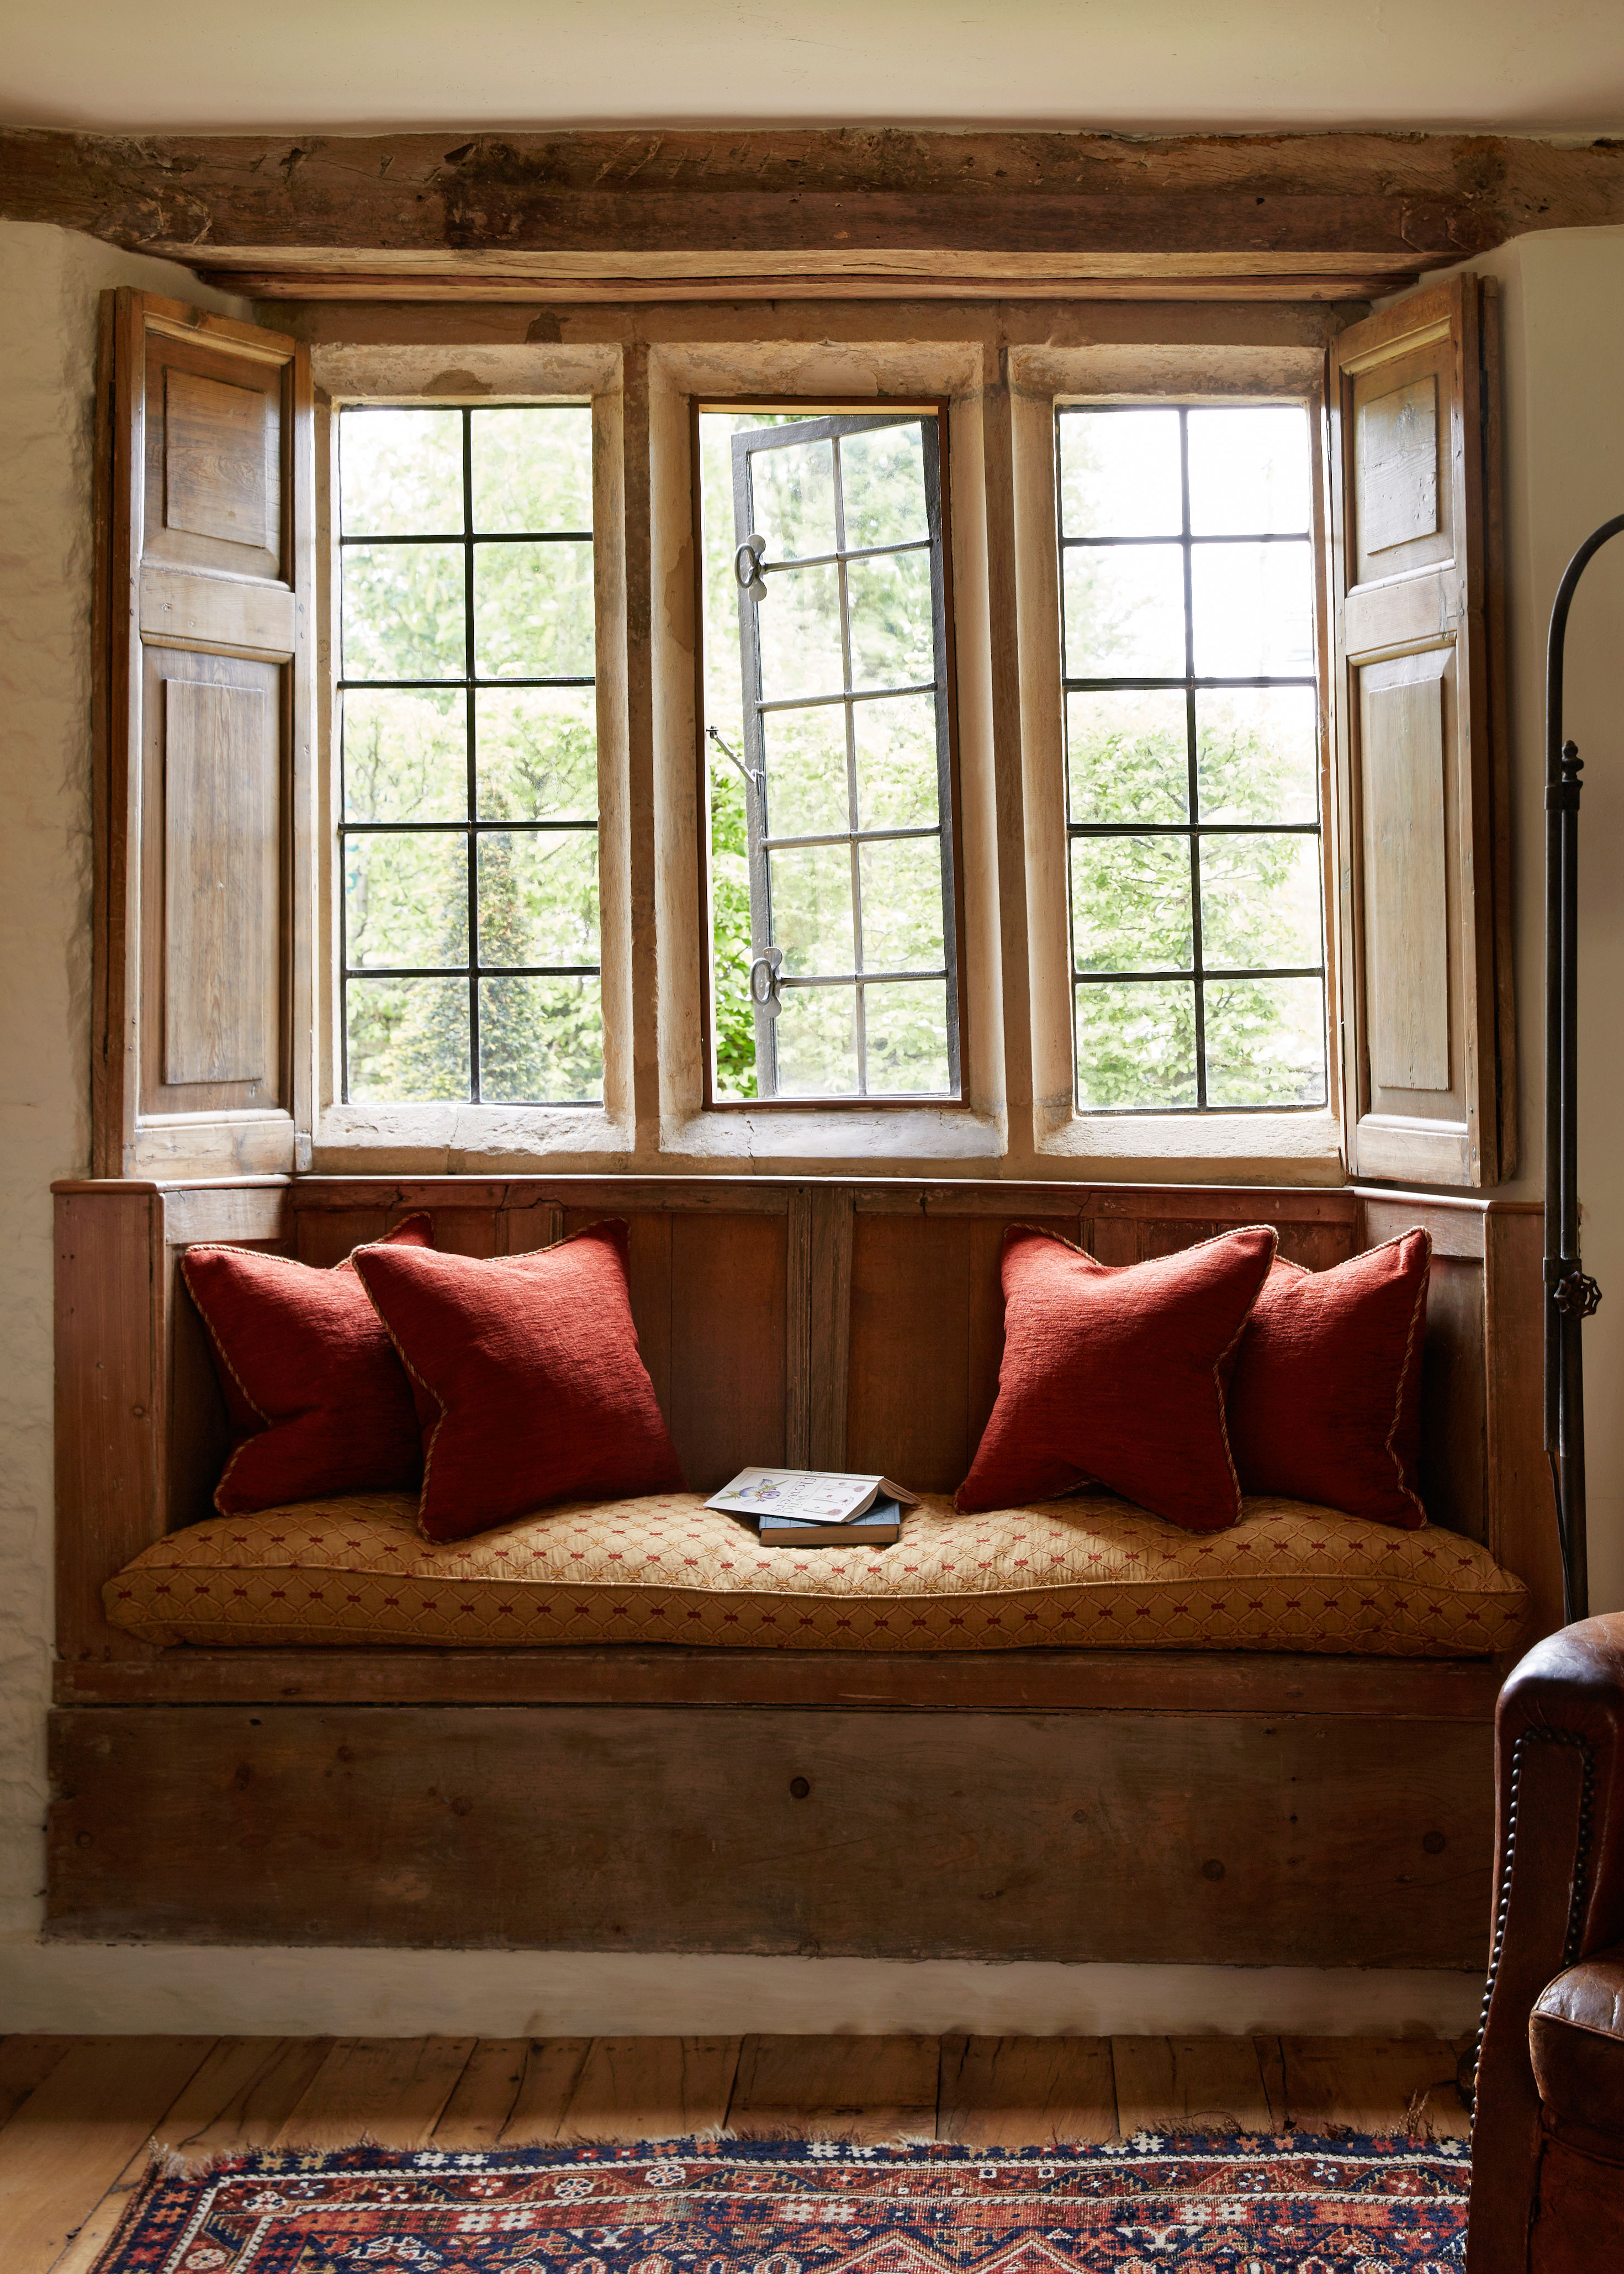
886 211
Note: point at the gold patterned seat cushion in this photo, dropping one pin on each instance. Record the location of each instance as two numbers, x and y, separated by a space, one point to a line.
1072 1573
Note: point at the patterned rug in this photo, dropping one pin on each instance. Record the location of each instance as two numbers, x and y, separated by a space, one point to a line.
1151 2205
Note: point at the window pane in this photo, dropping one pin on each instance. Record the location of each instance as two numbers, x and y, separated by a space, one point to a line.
817 1043
538 897
533 611
406 900
541 1042
1130 908
1119 473
1253 606
1257 754
408 1040
888 601
1265 1042
1260 900
805 753
1249 469
883 486
898 784
1125 612
1127 756
905 1025
811 893
532 467
405 755
902 904
798 623
403 614
1136 1044
793 499
538 753
401 472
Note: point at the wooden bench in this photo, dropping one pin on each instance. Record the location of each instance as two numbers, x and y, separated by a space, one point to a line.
1249 1808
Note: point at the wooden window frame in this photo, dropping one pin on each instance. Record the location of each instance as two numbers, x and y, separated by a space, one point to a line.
1044 382
940 407
541 376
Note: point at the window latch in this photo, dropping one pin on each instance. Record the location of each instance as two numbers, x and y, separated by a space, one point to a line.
747 569
764 982
752 774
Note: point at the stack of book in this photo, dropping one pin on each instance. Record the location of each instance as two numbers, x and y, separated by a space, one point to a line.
812 1507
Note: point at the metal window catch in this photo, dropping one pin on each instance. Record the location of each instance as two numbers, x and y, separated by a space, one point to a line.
747 569
752 774
764 982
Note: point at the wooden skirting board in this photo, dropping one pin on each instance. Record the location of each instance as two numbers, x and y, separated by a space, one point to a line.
1238 1808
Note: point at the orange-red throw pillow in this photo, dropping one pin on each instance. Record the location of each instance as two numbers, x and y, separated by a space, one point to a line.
1325 1404
1114 1374
529 1386
315 1393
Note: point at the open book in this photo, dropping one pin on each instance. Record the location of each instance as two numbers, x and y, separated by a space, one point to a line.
808 1495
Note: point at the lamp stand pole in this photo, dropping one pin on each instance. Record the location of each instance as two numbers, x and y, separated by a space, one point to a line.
1571 1295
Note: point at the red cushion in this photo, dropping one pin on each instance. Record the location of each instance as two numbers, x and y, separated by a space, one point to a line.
1326 1401
1114 1374
315 1391
529 1386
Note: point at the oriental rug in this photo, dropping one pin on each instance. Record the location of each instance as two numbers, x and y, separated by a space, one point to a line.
1149 2205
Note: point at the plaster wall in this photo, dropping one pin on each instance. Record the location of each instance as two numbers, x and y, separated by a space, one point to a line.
49 284
1563 340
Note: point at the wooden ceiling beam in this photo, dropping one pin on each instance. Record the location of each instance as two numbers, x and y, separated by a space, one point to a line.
1094 211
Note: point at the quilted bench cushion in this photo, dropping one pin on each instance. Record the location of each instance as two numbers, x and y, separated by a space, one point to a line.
1071 1574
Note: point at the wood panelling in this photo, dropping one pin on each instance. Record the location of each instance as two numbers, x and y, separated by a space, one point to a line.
205 577
893 1292
1340 214
1004 2093
1416 580
987 1681
220 853
1305 1839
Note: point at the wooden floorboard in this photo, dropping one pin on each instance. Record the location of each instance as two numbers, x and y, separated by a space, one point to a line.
80 2117
1190 2084
77 2135
651 2088
862 2088
1015 2092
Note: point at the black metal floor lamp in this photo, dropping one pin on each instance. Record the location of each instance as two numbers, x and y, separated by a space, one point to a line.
1571 1295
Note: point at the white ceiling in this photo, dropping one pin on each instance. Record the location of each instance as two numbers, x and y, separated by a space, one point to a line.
1518 66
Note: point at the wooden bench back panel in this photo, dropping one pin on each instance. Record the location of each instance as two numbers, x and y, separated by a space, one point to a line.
819 1324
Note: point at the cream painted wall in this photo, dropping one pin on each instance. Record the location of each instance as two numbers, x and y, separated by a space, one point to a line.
1563 333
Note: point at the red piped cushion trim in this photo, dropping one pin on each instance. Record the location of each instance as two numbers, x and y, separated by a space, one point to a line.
529 1381
1326 1401
1115 1374
315 1393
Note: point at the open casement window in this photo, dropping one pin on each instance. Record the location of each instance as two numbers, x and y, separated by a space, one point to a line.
204 487
1428 1069
854 978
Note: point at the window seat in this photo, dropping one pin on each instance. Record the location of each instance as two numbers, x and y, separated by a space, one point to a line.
1086 1571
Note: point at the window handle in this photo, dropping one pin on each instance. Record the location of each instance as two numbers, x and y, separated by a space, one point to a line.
747 569
764 982
752 774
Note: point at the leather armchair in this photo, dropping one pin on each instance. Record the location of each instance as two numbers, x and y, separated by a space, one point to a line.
1547 2188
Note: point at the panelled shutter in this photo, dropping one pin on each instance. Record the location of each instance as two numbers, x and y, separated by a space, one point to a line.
1428 1056
204 714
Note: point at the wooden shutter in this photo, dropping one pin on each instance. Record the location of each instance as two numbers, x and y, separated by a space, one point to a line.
1428 1070
203 601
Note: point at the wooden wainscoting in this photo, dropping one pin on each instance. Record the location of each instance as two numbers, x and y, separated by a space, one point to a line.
1247 1808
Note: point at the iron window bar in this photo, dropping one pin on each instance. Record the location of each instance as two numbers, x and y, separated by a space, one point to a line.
473 826
1190 683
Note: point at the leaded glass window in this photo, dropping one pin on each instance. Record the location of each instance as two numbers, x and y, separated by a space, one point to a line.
834 951
468 833
1187 589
